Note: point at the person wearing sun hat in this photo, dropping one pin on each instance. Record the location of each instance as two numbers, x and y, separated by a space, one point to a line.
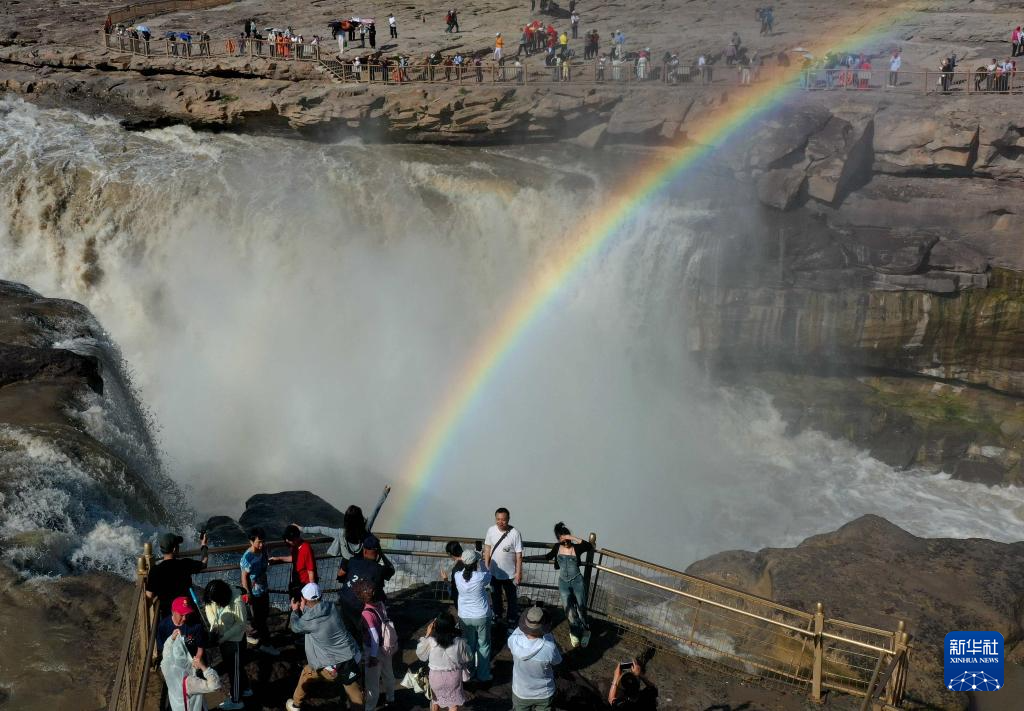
534 658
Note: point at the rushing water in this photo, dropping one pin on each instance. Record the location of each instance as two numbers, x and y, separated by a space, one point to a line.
294 313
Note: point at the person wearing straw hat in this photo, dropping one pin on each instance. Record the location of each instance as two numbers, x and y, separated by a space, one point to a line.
534 658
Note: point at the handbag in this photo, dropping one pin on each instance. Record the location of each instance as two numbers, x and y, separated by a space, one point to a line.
466 674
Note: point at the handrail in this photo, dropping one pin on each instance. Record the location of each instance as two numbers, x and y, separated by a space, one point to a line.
666 588
686 576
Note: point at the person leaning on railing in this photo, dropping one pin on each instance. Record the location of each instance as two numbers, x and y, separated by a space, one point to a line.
566 554
171 578
632 690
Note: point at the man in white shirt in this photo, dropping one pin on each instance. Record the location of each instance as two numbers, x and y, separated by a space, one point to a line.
393 26
895 62
503 556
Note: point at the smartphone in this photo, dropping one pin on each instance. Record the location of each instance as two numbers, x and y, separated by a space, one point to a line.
625 667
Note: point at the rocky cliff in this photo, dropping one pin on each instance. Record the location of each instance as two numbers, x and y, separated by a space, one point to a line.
75 455
872 571
887 244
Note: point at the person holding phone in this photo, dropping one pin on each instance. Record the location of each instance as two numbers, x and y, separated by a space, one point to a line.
631 689
566 555
171 578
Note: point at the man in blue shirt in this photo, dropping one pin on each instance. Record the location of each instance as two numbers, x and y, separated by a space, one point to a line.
254 565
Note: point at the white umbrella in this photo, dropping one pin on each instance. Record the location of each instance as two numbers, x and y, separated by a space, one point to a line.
142 28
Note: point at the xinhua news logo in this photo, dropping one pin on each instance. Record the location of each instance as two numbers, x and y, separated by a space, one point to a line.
974 661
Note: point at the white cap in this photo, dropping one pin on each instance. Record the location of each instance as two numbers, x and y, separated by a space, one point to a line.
311 591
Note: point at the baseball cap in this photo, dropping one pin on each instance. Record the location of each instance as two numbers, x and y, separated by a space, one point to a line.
181 606
371 542
169 541
311 591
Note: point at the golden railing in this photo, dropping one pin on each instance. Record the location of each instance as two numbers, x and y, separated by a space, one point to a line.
712 624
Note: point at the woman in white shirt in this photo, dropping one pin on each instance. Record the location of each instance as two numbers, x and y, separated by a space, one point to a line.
475 611
447 655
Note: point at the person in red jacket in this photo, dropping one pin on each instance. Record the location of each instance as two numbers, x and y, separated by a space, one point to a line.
301 557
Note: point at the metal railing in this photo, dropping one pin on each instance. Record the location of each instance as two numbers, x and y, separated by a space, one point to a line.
715 625
980 81
220 48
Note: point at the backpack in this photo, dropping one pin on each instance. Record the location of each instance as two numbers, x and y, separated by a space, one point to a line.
388 634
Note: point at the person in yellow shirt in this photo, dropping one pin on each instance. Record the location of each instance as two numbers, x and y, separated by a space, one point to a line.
499 45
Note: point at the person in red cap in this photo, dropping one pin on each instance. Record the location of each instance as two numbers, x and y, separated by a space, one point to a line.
188 626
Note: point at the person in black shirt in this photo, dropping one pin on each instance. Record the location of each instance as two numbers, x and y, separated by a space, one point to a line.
172 577
632 690
372 566
454 551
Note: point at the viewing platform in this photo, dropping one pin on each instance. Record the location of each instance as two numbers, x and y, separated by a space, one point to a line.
722 629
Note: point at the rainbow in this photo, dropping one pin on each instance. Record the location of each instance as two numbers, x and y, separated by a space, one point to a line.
541 289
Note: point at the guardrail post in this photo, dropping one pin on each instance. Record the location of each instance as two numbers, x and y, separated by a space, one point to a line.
588 569
141 572
893 691
819 653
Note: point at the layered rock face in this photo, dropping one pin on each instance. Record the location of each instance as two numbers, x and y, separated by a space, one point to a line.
887 243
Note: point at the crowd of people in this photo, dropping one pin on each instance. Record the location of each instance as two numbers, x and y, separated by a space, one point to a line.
352 641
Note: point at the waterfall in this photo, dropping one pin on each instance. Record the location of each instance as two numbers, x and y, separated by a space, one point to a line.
294 312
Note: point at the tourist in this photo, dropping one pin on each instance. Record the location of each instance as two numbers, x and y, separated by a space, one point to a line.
393 25
254 565
172 576
372 565
474 607
566 555
744 67
362 36
503 558
331 653
186 39
601 64
574 22
225 613
455 20
446 655
499 44
631 690
1015 41
348 541
184 624
641 64
341 43
454 551
185 688
895 62
523 40
563 45
478 67
379 644
372 33
534 657
300 556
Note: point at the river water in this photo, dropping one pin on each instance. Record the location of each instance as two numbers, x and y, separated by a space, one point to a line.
294 313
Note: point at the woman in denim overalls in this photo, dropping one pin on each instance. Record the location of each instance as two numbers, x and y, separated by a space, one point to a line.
566 555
